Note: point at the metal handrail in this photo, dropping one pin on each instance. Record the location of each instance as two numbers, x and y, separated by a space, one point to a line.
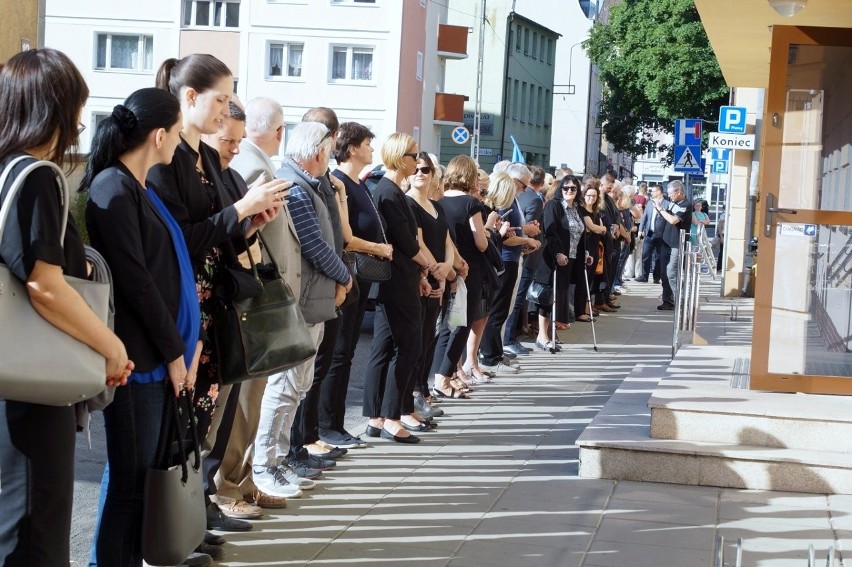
719 554
688 290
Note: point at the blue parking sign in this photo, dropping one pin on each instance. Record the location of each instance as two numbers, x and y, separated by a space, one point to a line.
732 119
720 166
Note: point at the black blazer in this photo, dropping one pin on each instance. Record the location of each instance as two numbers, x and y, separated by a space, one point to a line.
557 238
134 239
532 208
180 188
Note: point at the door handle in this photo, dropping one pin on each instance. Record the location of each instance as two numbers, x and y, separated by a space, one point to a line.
769 214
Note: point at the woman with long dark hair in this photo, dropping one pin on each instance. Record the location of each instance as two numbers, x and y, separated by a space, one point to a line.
43 94
594 230
563 229
156 309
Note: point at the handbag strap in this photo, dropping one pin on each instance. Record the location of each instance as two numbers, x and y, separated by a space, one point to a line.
8 201
378 216
171 433
251 258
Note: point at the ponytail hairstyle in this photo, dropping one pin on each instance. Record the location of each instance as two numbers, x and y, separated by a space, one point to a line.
128 127
42 94
198 71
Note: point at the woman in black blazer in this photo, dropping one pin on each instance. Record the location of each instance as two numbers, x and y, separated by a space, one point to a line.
156 310
563 229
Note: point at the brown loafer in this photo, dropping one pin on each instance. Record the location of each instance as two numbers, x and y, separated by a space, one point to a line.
265 500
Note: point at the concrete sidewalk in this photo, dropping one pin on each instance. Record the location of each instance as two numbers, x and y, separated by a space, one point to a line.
496 483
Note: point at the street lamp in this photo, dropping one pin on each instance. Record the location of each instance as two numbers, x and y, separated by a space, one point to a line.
787 7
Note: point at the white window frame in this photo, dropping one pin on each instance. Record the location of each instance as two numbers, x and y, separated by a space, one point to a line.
286 45
194 14
108 68
419 67
350 51
96 115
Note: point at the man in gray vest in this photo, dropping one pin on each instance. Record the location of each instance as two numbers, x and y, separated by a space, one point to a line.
325 279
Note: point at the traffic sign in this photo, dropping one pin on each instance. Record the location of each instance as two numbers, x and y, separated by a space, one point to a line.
720 166
688 132
732 119
720 154
732 141
687 159
460 135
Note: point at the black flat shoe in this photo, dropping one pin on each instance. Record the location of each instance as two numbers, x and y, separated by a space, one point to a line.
410 439
419 428
373 431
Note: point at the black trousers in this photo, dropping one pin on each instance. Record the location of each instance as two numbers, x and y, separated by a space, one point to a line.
651 254
37 479
395 351
332 399
491 347
305 428
514 323
430 309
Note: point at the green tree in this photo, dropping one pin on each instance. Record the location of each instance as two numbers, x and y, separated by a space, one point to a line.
656 65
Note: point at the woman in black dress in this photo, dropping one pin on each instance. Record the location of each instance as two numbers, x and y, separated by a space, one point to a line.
396 327
464 217
434 233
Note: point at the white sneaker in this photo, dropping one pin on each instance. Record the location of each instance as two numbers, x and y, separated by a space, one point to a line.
499 368
272 481
294 479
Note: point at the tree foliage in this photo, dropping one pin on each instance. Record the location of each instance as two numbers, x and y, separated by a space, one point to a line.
656 65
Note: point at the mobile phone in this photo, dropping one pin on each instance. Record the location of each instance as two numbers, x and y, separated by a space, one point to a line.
506 214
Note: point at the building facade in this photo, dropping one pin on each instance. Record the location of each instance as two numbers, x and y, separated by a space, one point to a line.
21 29
369 60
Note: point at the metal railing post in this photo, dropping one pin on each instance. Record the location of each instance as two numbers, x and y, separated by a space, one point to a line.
678 293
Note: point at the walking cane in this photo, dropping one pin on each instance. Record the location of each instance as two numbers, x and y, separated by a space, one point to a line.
553 316
591 311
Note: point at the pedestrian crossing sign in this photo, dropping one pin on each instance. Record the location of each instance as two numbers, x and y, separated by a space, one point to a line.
687 159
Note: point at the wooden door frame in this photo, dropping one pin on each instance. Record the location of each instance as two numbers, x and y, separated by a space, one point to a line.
770 181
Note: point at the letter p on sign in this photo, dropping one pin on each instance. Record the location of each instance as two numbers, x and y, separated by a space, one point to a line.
732 119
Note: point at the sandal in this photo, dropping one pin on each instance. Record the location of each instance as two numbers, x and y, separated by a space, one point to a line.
453 395
562 326
457 384
477 376
584 318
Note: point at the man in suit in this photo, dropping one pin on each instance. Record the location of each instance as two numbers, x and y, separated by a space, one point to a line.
264 130
651 228
532 209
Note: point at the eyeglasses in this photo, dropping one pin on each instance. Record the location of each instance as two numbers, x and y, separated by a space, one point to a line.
412 156
569 187
425 170
324 138
80 128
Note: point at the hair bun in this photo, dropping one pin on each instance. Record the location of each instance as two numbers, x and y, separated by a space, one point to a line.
125 118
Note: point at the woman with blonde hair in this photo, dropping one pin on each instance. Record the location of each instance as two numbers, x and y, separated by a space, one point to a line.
464 217
396 328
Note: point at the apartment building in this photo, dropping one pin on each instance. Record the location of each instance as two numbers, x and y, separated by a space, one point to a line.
376 62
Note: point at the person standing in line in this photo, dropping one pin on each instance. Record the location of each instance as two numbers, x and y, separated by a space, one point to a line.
699 218
353 152
324 283
651 231
214 225
678 217
594 231
396 327
156 308
43 94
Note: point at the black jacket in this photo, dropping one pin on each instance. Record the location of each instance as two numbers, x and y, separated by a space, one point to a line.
532 208
557 239
134 239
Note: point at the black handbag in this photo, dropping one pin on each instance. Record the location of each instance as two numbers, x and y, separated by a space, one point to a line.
259 336
368 267
541 294
174 519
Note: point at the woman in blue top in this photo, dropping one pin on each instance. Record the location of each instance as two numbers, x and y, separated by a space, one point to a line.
156 307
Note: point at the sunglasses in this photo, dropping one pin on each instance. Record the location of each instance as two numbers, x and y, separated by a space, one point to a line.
425 170
413 156
324 138
569 187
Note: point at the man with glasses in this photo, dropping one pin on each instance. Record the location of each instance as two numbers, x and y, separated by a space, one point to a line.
678 217
533 210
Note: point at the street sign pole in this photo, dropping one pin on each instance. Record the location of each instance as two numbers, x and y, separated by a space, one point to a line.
477 113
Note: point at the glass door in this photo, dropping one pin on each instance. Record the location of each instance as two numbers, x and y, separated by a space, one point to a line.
803 300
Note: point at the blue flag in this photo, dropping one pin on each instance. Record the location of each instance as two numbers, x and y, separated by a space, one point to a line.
517 154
